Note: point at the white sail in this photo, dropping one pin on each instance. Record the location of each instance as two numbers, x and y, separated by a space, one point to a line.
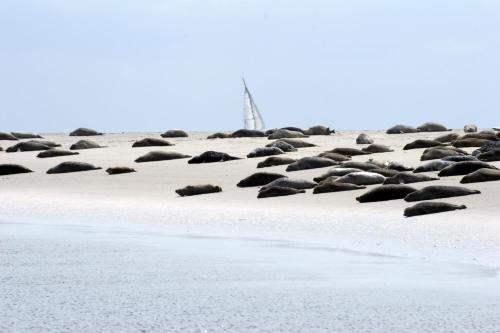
253 119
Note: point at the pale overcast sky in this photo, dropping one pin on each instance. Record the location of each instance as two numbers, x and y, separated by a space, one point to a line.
118 65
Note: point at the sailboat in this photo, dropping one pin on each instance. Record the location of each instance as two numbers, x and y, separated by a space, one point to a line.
252 117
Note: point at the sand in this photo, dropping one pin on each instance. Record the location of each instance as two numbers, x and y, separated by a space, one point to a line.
125 253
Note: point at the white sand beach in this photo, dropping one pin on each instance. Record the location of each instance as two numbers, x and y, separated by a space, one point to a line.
90 252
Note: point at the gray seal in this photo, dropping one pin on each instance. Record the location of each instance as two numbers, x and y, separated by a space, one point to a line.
151 142
490 155
85 144
11 169
56 152
362 178
365 166
66 167
470 128
299 184
82 131
244 133
286 134
306 163
335 156
460 158
7 136
26 135
447 138
408 178
481 175
436 154
154 156
286 147
470 142
439 192
329 187
336 172
27 146
174 133
424 208
364 139
401 129
198 189
318 130
349 151
259 179
432 127
376 148
298 143
212 157
275 160
276 191
265 151
219 135
119 170
420 143
480 135
386 192
463 168
436 165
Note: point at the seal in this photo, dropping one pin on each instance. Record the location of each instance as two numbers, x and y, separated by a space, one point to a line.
219 135
85 144
363 139
174 133
276 191
432 127
306 163
211 157
390 165
386 192
447 138
265 151
362 178
157 155
484 136
328 187
408 178
286 134
292 128
26 135
335 157
490 155
385 172
460 158
420 143
401 129
365 166
82 131
275 160
299 184
48 143
244 133
376 148
336 172
151 142
470 142
436 165
318 130
197 190
27 146
348 151
423 208
11 169
286 147
119 170
439 192
435 154
56 152
481 175
486 148
7 136
298 143
463 168
66 167
259 179
470 128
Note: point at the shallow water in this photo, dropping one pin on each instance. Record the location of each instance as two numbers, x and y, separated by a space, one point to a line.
100 277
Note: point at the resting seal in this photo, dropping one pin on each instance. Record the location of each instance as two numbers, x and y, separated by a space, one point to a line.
487 147
463 168
275 160
299 184
433 166
119 170
282 145
490 155
336 172
27 146
423 208
335 157
460 158
66 167
11 169
318 130
219 135
328 187
447 138
438 192
265 151
470 128
55 152
470 142
362 178
26 135
174 133
401 129
154 156
385 172
348 151
481 175
7 136
151 142
422 144
365 166
259 179
85 144
197 190
286 134
484 136
277 191
435 154
364 139
432 127
291 128
211 157
408 178
386 192
376 148
84 132
244 133
306 163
